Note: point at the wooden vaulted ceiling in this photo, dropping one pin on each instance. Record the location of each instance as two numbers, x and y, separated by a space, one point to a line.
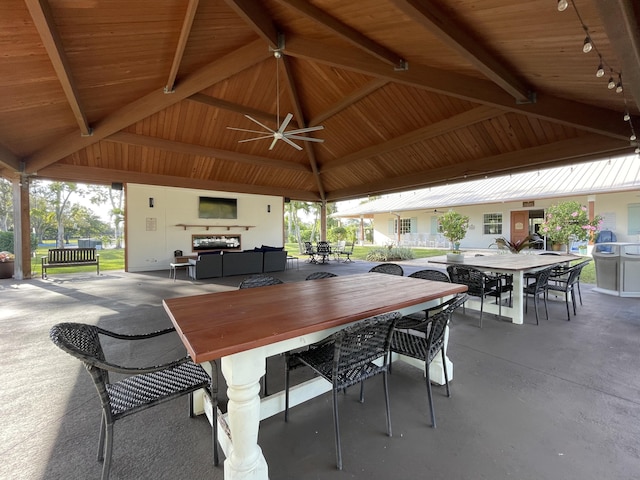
411 93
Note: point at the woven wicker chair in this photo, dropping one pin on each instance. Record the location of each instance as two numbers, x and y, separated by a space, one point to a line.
259 281
431 274
145 387
567 285
425 341
347 358
390 268
537 288
479 284
317 275
419 317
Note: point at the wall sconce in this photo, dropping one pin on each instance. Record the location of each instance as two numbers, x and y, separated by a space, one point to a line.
150 202
268 208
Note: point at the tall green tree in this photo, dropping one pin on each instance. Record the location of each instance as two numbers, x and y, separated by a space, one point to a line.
99 195
6 205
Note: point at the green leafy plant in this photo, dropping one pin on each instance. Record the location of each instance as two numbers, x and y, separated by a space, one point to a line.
389 253
514 247
454 227
568 221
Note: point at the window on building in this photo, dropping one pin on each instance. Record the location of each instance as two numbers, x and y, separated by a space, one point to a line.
633 219
406 225
492 224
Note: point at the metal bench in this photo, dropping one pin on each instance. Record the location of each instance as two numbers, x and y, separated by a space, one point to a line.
70 257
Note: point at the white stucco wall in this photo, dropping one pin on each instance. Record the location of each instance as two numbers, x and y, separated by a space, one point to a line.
152 234
612 206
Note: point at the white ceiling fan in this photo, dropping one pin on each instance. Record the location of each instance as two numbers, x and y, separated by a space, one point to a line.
281 132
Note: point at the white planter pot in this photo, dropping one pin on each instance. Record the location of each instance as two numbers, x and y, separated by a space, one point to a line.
455 257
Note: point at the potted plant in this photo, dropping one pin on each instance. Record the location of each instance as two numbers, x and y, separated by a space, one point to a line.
569 221
454 227
515 247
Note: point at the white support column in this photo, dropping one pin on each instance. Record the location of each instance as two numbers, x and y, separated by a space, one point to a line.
242 372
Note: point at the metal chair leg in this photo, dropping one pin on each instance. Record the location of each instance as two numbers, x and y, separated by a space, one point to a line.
336 428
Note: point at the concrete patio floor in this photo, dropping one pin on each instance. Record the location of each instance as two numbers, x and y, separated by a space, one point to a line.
558 401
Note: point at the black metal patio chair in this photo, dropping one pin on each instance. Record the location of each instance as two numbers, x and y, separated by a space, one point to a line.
567 286
347 358
323 251
143 388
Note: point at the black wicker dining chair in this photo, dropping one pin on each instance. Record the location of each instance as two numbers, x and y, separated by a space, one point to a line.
348 357
317 275
479 284
567 286
259 280
142 388
423 341
255 281
536 288
390 268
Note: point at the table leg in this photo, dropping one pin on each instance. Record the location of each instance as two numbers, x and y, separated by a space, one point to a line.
242 372
518 304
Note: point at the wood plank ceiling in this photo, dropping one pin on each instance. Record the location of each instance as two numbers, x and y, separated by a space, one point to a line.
410 93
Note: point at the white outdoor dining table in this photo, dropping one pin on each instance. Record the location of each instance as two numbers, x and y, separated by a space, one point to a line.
244 327
515 264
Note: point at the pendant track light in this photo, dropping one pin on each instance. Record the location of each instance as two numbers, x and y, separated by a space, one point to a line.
611 85
562 5
587 46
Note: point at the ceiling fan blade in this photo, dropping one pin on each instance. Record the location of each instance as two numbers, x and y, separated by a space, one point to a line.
261 124
255 138
306 139
285 122
273 144
246 130
305 130
297 147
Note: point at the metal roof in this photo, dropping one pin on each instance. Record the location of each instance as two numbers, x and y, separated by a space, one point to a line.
606 175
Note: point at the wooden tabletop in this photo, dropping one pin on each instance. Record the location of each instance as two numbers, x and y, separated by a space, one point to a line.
511 262
215 325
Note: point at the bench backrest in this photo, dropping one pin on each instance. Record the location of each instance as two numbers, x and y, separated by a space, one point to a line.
57 255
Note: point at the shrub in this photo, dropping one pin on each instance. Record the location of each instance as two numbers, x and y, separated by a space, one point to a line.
389 254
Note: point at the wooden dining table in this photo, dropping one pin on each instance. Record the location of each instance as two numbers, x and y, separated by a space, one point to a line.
244 327
511 264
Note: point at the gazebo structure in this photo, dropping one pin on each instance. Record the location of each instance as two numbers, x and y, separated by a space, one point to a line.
317 101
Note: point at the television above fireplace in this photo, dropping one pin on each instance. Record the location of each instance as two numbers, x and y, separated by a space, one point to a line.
217 207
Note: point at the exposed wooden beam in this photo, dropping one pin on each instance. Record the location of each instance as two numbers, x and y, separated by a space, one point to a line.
440 24
231 107
63 172
258 18
462 120
621 22
43 21
553 154
554 109
8 160
182 43
151 103
346 32
199 150
297 108
349 100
